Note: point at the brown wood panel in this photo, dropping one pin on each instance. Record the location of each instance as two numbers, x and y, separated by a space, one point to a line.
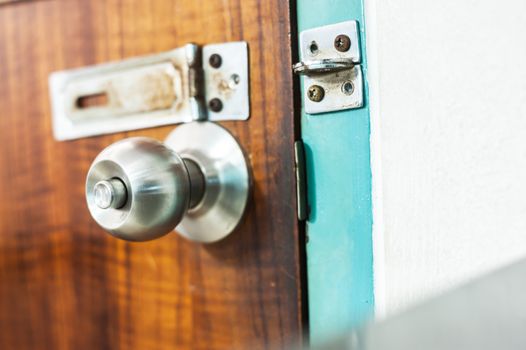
64 283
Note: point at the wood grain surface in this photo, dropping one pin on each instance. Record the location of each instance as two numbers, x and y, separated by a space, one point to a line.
64 283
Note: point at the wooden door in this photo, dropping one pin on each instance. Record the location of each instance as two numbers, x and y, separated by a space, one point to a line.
66 284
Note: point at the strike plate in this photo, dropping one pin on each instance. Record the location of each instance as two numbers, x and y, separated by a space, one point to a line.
330 63
172 87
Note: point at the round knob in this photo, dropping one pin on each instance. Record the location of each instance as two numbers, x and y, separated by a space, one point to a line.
140 189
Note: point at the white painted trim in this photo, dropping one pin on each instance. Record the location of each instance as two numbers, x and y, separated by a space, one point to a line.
373 77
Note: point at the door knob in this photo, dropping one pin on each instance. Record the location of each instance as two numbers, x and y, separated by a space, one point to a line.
197 181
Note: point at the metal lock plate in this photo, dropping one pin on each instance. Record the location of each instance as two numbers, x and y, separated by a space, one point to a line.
330 64
228 82
167 88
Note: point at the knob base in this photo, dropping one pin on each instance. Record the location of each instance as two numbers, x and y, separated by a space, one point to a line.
227 180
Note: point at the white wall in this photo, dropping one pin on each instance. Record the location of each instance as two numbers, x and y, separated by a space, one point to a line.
448 94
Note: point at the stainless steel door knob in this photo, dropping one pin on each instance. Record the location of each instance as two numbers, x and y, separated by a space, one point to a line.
140 189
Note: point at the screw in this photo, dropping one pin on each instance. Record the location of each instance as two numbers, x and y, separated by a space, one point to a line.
342 43
315 93
215 60
215 105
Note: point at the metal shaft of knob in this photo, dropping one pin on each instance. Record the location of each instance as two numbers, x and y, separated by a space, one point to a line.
110 194
197 182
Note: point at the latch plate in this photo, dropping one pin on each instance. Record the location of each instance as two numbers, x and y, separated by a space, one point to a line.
337 72
166 88
229 82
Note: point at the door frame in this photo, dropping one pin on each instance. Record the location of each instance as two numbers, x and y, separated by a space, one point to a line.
339 248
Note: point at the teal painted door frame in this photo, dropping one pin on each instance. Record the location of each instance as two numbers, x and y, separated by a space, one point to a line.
339 228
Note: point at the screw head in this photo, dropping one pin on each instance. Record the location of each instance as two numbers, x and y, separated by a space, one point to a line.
215 60
342 43
215 105
315 93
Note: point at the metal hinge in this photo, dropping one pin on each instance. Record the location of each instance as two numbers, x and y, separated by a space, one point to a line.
301 180
330 63
182 85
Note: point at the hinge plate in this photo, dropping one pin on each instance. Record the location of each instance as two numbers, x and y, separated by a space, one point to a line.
334 73
166 88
